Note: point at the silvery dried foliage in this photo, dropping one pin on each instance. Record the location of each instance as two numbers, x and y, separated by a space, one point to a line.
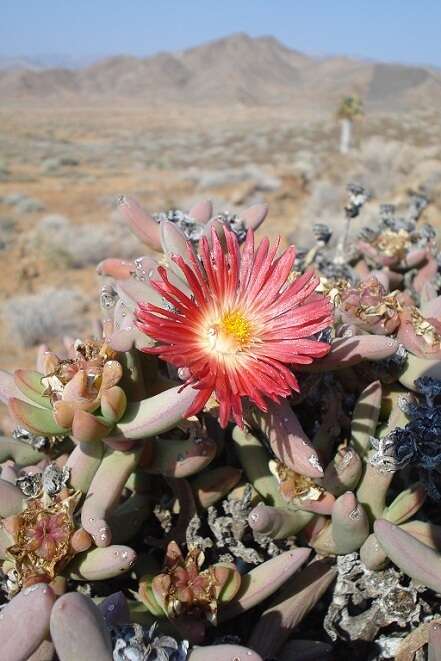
357 198
235 224
50 482
37 441
366 601
132 642
419 442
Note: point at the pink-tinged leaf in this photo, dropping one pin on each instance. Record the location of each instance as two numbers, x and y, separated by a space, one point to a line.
382 277
324 505
8 387
21 453
217 225
415 559
343 473
211 486
157 414
78 629
25 622
76 388
44 652
350 351
11 498
63 413
115 268
140 222
122 340
287 439
81 541
415 257
125 333
425 276
133 292
254 459
434 651
406 504
228 580
42 350
350 524
372 554
287 608
202 211
223 653
264 580
83 463
414 341
174 242
254 216
426 533
88 428
181 458
102 563
37 420
365 417
113 404
432 309
105 491
276 522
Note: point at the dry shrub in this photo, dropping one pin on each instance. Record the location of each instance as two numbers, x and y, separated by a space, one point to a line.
79 246
36 318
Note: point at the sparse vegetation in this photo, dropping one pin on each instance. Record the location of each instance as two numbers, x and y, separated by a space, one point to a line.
48 314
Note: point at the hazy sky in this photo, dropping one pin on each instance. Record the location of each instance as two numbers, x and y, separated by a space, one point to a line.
396 30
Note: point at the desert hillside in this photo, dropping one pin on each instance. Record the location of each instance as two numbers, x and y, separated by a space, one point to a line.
238 70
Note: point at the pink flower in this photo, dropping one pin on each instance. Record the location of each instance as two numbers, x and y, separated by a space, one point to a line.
243 326
47 534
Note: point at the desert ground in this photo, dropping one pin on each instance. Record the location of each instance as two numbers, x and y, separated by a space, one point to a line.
62 170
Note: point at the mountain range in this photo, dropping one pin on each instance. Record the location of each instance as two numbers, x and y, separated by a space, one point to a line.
235 70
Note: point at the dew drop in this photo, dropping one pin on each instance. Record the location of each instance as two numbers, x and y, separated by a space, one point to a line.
124 555
111 607
254 516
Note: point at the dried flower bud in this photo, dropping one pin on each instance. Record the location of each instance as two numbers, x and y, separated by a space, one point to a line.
370 308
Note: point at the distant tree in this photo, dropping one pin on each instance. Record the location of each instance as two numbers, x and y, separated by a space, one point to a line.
350 108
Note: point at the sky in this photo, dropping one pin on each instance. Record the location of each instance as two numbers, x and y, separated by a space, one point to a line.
389 30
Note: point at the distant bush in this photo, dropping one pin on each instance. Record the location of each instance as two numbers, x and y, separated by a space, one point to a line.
78 246
382 164
23 203
52 313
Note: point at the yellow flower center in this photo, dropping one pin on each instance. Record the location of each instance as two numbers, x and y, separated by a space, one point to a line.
236 326
229 334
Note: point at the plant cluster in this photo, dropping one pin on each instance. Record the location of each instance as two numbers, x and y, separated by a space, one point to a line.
253 430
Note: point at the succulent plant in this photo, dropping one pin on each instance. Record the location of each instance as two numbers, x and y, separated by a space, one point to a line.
242 438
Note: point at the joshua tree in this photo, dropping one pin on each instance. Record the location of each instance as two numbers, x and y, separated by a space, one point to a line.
350 108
